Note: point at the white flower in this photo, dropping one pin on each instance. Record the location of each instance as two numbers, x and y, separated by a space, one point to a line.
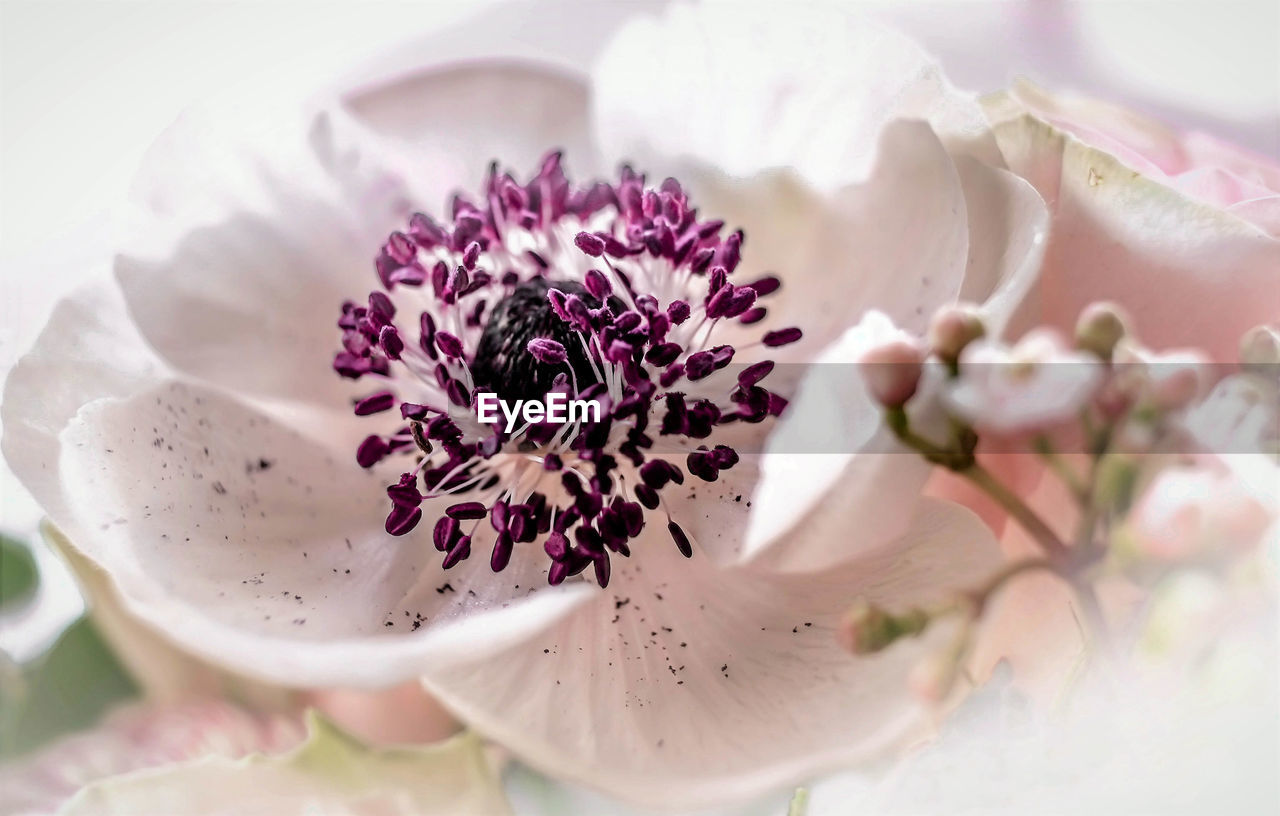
1166 380
1241 415
1198 512
181 424
1037 382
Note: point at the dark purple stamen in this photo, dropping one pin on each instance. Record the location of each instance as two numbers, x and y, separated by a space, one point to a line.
449 345
528 323
782 337
375 403
681 540
547 351
467 510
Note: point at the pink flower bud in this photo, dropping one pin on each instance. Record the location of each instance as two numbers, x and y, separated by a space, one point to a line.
867 629
954 327
892 371
1166 381
1100 327
1260 349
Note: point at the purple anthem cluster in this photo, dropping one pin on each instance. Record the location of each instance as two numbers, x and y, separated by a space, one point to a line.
610 293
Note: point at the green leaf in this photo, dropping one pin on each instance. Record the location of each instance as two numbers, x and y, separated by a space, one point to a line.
67 689
330 773
18 574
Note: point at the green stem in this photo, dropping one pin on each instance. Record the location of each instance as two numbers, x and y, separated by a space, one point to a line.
1018 509
1060 467
960 460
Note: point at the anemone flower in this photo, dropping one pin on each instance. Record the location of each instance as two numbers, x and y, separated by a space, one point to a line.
624 601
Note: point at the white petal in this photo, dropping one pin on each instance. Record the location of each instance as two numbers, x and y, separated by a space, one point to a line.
684 685
505 76
250 304
506 84
835 483
243 248
446 124
1008 229
897 242
716 514
88 350
255 549
744 89
331 773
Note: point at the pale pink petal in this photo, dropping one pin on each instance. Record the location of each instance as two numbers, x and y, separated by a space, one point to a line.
810 90
403 715
139 738
329 773
444 124
830 459
250 304
509 83
1199 165
830 450
1217 186
1119 236
1262 212
1008 231
897 242
1143 143
510 76
164 672
1206 150
88 350
258 550
684 685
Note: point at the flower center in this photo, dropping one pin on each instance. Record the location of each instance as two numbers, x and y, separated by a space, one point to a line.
502 362
612 294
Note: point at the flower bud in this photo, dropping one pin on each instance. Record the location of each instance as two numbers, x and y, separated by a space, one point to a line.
892 371
867 629
1100 327
1190 512
1260 350
1161 381
934 677
1179 386
954 327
